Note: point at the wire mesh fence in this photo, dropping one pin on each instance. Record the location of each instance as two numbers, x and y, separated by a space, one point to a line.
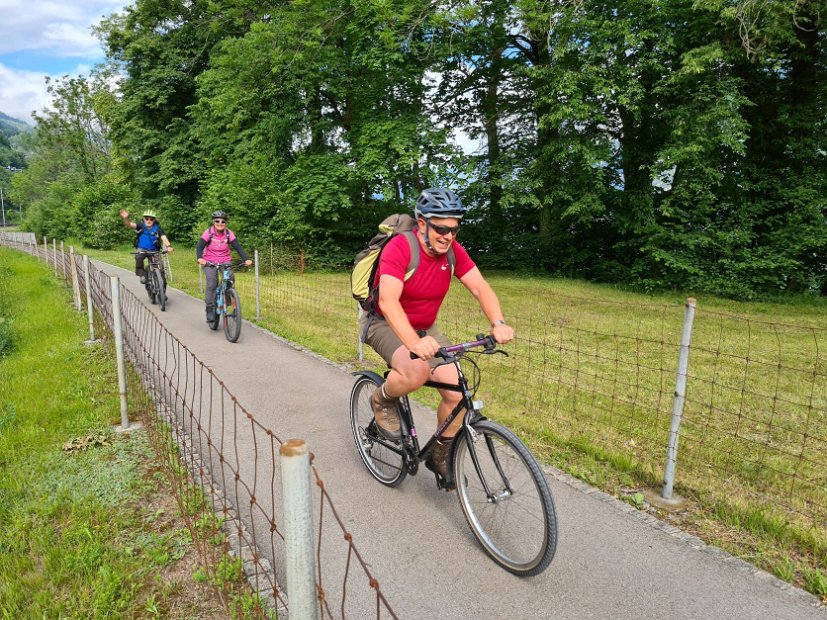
597 375
223 465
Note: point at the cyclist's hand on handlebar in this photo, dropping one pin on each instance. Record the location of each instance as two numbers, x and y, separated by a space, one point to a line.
502 333
425 348
248 262
202 261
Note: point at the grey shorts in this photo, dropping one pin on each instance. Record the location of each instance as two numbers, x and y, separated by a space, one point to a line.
380 337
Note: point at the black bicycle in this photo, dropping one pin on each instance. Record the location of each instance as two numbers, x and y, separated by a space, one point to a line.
156 281
504 494
227 302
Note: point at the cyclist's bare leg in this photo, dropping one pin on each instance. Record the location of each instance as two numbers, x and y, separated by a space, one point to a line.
447 374
406 375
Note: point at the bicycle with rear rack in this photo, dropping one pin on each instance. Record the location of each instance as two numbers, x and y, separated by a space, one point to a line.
501 488
227 302
156 281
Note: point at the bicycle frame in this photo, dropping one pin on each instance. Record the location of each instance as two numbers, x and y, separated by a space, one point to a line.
410 441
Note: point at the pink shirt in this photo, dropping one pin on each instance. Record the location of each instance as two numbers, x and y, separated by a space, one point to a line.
217 250
424 293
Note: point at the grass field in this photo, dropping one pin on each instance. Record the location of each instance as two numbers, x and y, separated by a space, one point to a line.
88 528
589 385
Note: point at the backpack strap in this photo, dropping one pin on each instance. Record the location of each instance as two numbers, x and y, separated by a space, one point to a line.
413 263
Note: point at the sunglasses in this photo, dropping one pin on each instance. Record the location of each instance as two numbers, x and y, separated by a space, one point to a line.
444 230
149 219
219 221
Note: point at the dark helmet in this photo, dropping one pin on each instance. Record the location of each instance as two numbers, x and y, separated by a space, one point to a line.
439 202
220 215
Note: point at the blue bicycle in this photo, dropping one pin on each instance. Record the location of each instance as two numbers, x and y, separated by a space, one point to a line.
227 302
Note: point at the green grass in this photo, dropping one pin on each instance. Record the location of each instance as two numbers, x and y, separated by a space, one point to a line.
86 527
589 387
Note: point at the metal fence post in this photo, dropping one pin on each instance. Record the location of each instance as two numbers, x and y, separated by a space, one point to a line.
169 267
54 254
75 284
258 288
63 261
680 398
89 310
118 334
298 530
45 252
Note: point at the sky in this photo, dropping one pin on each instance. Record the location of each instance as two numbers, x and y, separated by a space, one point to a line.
40 38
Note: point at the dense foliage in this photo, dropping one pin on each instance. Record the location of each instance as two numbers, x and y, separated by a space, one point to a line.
675 143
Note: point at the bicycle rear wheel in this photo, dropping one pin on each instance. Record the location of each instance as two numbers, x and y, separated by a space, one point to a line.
160 292
382 458
516 523
232 315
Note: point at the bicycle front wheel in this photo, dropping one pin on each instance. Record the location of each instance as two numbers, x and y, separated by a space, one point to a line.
382 458
232 315
160 292
515 520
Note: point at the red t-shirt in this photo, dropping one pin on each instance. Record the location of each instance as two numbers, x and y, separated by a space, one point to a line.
423 294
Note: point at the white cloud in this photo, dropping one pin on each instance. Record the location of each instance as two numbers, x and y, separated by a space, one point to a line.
22 92
59 28
39 36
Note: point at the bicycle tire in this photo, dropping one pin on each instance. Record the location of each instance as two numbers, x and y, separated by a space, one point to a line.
232 315
148 285
216 312
160 293
518 530
384 463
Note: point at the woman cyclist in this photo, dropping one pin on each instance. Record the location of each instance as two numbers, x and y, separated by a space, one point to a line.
214 247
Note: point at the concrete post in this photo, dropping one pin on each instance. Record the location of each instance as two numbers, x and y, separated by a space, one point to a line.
90 311
75 283
117 330
298 530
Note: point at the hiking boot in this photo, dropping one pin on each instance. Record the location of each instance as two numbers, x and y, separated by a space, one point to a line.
386 414
437 460
142 279
210 314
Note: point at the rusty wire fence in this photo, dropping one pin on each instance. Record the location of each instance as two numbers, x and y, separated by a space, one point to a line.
222 464
597 376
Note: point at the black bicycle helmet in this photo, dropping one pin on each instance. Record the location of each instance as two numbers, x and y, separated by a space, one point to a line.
439 202
220 215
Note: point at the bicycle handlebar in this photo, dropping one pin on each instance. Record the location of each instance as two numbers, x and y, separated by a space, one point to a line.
148 252
487 342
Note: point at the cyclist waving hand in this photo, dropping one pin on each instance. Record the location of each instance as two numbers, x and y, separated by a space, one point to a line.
404 320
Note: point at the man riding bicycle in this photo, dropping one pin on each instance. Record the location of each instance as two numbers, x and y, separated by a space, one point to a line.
214 247
149 237
406 311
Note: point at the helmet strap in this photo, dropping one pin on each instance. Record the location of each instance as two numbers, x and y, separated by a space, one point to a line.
428 236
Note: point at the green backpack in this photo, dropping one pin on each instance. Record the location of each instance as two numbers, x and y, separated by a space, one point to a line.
367 261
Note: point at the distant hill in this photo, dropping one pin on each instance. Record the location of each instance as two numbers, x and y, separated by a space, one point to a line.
11 126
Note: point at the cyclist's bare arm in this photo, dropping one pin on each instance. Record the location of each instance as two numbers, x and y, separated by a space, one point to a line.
489 303
390 290
166 243
125 218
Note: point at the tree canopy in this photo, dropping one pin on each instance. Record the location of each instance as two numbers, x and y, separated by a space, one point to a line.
674 143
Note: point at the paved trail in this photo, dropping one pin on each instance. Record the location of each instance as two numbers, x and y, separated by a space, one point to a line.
612 562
